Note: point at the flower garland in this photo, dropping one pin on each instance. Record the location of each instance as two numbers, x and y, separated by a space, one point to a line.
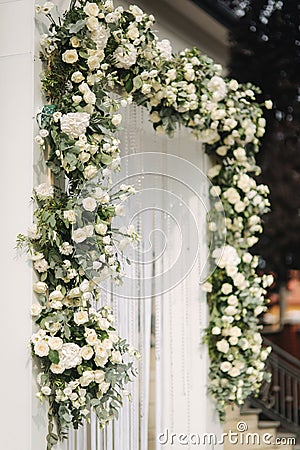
92 50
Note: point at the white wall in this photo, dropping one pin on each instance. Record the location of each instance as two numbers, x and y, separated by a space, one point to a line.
16 177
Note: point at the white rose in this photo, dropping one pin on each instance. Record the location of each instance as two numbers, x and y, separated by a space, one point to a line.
57 368
87 378
90 171
44 191
41 265
33 232
165 48
46 390
233 85
40 287
269 104
232 300
70 56
103 323
81 317
93 62
226 256
70 216
216 330
154 117
209 136
244 182
36 309
239 206
232 195
206 287
77 77
99 376
214 171
92 23
113 336
125 56
136 11
218 87
101 228
89 204
231 310
116 357
223 346
132 32
215 191
233 340
103 387
41 349
55 343
235 331
258 310
66 248
116 119
86 352
226 288
234 372
247 258
56 295
79 235
225 366
240 154
91 9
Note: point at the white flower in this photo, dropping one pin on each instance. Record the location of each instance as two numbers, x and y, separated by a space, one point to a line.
244 182
239 206
87 378
92 23
103 387
55 343
226 256
81 317
223 346
218 87
44 191
93 62
57 368
234 372
226 288
235 331
47 7
66 248
46 390
90 171
89 204
89 97
225 366
91 9
33 232
214 171
70 216
70 56
165 49
216 330
36 309
209 136
99 376
233 85
215 191
132 32
136 11
125 56
269 104
206 287
103 323
56 295
41 349
77 77
86 352
116 119
101 228
232 195
41 265
116 357
240 154
79 235
69 355
40 287
74 124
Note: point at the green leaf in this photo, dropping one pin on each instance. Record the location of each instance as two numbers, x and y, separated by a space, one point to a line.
44 276
75 27
54 356
137 83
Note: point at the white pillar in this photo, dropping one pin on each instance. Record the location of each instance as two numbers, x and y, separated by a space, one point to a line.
22 421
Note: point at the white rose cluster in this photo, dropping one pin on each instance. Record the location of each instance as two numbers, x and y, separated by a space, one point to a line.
74 124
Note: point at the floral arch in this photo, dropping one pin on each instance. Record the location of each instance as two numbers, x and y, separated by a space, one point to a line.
92 50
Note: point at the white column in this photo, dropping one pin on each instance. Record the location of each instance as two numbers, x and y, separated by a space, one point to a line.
22 419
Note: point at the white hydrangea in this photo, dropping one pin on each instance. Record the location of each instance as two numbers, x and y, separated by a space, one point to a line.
74 124
70 355
226 256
